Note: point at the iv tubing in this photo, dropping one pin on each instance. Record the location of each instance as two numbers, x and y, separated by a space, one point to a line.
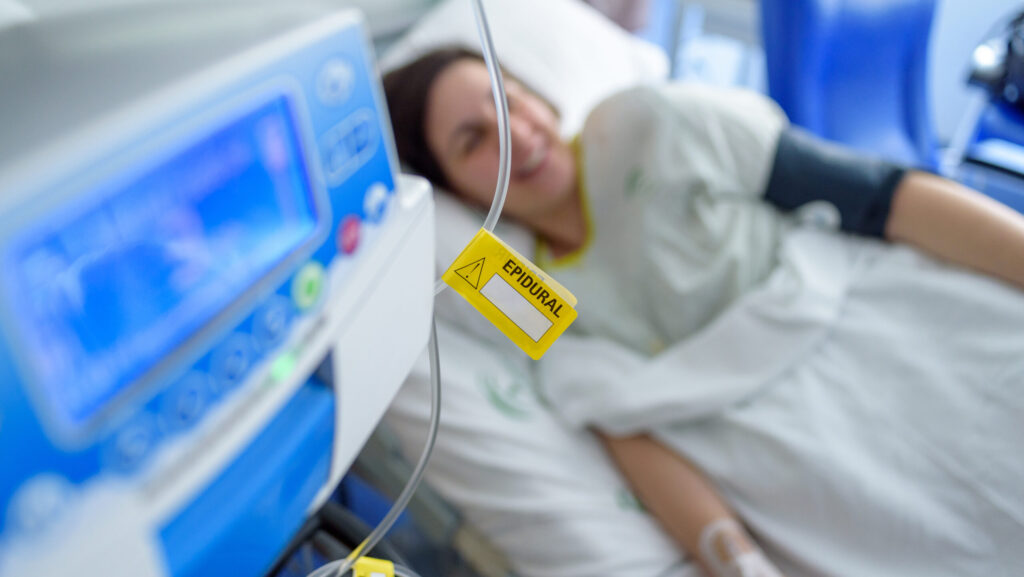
504 139
340 567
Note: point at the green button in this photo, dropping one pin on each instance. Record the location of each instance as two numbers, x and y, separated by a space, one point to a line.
283 366
308 284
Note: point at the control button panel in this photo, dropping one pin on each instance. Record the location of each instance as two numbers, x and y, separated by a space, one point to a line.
305 136
349 145
255 340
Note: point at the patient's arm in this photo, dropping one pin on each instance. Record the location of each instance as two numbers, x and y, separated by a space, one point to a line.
879 199
688 507
958 224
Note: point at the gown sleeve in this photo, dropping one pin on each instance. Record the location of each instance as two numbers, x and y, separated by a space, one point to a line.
722 143
701 141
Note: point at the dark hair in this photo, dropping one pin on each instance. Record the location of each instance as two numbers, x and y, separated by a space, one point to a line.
406 90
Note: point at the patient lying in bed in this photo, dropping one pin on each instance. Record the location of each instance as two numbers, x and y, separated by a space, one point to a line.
628 380
666 214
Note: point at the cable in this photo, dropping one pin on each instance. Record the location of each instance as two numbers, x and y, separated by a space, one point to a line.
504 139
341 566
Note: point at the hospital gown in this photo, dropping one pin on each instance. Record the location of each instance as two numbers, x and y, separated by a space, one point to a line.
859 405
682 185
672 180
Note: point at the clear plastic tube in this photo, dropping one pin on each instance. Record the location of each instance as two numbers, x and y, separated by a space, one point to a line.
340 567
504 139
501 106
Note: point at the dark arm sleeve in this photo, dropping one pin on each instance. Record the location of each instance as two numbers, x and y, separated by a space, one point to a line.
808 169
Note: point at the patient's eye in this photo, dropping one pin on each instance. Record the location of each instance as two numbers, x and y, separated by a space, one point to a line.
472 139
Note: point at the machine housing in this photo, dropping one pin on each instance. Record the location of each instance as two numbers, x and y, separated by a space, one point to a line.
214 282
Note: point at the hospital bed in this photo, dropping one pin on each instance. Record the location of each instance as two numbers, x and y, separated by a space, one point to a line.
821 465
518 491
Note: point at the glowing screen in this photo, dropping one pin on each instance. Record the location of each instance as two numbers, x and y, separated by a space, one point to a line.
103 291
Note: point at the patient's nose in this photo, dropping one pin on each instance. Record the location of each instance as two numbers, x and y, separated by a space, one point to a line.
521 135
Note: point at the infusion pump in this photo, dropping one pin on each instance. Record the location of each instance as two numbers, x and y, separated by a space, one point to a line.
213 282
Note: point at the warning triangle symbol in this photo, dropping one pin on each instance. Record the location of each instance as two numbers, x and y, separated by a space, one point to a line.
472 271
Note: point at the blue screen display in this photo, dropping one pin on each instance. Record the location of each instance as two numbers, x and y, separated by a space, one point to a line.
103 292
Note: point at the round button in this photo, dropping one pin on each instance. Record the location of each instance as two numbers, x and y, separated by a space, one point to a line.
1010 93
308 284
182 406
270 324
131 445
38 502
231 361
348 234
375 203
334 82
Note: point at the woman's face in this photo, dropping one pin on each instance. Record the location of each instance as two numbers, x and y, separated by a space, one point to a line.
462 132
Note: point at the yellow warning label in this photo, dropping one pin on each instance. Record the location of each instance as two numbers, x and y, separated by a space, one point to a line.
514 294
471 272
369 567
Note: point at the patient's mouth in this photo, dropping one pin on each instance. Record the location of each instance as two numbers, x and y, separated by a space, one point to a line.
533 163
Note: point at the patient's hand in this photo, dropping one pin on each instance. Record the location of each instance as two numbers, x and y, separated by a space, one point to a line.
727 550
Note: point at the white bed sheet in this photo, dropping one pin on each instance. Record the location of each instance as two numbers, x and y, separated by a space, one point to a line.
897 446
893 446
544 494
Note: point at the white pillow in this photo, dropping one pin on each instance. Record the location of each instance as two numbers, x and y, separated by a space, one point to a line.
564 49
12 12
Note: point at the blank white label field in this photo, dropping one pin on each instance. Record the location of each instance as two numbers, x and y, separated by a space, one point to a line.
516 307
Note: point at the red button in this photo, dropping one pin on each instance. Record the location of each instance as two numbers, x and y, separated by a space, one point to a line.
348 237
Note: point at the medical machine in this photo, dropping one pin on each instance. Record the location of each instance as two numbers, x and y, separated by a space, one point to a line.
213 282
989 151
